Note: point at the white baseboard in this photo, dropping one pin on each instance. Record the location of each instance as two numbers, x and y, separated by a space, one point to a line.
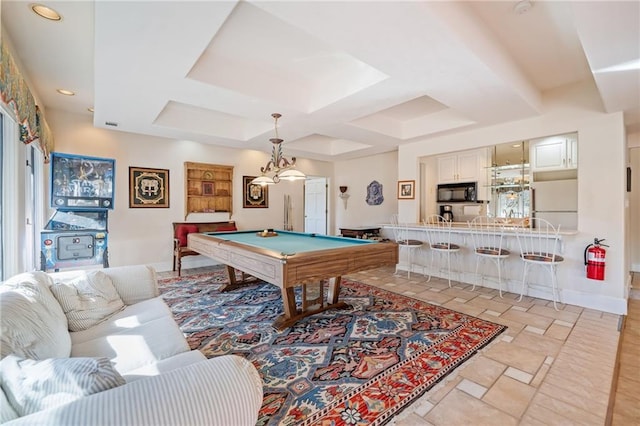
598 302
187 262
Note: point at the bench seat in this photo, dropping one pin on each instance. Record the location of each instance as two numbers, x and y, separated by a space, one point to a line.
182 229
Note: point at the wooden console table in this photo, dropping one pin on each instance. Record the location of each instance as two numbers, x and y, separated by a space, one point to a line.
359 231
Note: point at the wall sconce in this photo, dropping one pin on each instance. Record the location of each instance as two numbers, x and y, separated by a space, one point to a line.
343 194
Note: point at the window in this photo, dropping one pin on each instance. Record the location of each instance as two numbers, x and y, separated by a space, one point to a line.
21 199
10 250
1 192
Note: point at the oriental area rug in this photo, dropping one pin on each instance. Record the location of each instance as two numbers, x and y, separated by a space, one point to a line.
357 366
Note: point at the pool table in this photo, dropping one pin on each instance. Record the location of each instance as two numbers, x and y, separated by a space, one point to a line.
290 259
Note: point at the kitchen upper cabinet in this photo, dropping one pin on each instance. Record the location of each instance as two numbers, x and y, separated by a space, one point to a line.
572 150
466 166
554 153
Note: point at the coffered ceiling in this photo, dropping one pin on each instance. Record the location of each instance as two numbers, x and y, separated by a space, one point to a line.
351 78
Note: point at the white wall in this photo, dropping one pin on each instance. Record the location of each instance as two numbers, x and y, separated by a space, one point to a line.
634 210
357 175
601 185
142 235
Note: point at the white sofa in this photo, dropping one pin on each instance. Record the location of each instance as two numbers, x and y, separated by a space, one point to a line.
158 380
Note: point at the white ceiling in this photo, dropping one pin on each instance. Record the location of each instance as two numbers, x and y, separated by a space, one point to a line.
351 78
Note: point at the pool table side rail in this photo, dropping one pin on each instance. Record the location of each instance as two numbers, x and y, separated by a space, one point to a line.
300 268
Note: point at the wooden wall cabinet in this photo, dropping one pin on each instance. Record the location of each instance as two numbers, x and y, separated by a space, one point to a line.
208 188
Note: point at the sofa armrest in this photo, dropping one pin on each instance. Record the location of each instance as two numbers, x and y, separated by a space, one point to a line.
220 391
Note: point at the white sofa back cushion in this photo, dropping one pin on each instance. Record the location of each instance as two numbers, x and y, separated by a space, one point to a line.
88 299
32 386
123 277
33 324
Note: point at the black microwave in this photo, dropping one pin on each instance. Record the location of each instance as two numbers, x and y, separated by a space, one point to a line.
452 192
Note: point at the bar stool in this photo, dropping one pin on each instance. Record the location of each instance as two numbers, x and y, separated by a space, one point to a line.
487 233
540 245
401 237
439 237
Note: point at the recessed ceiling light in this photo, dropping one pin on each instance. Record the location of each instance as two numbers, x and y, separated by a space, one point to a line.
45 12
65 92
90 109
522 7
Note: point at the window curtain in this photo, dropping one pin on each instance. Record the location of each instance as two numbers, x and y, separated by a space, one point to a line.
15 93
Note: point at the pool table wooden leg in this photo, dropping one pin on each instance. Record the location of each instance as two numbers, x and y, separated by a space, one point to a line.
291 312
233 281
289 302
334 290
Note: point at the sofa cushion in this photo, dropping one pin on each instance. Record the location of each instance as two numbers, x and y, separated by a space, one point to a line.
182 231
226 228
32 386
134 347
130 317
33 324
134 283
88 299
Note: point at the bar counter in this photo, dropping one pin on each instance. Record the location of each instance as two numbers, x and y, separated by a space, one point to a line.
463 265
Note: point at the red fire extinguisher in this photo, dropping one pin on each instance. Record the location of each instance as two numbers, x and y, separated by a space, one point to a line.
594 259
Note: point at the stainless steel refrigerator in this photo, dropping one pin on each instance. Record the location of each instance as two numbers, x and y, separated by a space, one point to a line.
557 202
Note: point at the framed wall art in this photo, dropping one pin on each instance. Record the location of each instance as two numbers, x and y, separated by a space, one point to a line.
148 187
406 189
255 196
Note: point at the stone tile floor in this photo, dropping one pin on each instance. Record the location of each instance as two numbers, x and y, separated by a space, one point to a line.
548 368
626 406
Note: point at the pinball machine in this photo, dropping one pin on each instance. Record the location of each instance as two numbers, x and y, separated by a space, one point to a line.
82 190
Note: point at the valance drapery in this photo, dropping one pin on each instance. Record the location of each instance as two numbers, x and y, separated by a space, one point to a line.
15 92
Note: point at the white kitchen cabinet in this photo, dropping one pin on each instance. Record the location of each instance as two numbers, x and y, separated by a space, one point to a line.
554 153
572 151
465 166
447 168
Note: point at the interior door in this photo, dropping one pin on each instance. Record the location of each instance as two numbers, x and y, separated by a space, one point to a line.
315 205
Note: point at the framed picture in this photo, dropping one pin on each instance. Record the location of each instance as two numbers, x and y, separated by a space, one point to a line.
255 196
148 187
406 189
207 188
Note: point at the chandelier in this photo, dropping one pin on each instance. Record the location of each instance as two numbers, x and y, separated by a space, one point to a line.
278 166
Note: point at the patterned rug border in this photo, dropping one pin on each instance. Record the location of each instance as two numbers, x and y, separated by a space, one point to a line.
437 350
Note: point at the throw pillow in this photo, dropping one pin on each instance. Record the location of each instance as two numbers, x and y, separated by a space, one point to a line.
32 323
31 386
88 299
182 231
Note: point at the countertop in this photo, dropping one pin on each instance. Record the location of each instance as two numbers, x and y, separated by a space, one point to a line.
463 227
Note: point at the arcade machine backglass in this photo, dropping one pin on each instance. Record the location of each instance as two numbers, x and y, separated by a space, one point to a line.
82 192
